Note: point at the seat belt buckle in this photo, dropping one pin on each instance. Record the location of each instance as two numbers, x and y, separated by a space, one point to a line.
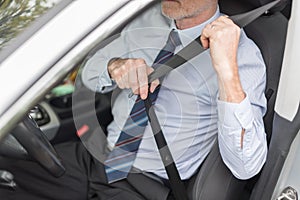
7 180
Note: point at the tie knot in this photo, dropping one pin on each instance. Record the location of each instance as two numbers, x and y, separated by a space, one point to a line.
174 37
168 50
173 41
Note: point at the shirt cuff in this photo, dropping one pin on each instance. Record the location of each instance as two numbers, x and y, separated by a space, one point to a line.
235 115
104 81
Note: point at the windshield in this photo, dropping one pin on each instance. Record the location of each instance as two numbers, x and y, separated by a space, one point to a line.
16 15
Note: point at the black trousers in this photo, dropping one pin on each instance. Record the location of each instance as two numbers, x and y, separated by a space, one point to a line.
84 179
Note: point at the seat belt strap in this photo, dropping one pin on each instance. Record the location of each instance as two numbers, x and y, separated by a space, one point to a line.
190 51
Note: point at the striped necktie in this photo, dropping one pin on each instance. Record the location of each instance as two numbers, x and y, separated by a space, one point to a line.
121 158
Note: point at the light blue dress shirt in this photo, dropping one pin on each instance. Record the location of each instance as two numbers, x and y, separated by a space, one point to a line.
188 109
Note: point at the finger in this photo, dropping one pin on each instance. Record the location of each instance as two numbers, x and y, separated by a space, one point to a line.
154 83
116 75
142 77
216 23
224 26
224 19
204 38
204 41
133 80
120 83
125 74
114 72
120 75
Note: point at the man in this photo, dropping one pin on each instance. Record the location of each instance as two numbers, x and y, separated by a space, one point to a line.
217 94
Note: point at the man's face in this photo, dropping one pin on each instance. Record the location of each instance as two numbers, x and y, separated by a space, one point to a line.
180 9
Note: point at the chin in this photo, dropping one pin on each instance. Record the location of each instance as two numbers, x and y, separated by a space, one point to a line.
170 8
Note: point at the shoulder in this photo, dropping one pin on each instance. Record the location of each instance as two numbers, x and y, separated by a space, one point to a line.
248 51
151 18
148 30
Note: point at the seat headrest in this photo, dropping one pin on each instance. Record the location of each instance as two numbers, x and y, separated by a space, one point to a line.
259 2
278 7
238 6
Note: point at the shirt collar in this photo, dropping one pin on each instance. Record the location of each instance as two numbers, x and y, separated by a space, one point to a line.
188 35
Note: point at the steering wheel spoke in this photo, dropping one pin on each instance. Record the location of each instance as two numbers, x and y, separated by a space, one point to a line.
31 137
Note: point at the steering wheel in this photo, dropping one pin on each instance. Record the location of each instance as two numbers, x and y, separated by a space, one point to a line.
31 137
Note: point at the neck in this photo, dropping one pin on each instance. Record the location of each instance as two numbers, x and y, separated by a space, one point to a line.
192 21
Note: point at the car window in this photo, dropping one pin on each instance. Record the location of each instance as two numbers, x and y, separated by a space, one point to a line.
29 56
16 15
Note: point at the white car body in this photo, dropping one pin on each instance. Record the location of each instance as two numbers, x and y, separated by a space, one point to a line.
30 70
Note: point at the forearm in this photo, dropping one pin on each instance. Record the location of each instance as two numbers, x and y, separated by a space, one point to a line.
230 87
95 75
242 139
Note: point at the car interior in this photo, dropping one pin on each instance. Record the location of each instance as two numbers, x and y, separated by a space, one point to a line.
58 117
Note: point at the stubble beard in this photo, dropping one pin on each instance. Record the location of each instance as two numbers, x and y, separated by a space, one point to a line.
180 13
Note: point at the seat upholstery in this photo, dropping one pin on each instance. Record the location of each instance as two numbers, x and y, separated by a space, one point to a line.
214 180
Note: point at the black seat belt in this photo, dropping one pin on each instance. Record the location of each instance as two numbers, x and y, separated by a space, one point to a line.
190 51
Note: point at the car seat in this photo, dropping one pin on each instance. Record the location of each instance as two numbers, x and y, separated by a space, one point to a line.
214 180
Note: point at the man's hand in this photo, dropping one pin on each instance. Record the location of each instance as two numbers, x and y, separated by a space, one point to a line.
132 74
222 37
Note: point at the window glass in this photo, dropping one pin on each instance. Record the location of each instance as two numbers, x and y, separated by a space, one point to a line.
16 15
